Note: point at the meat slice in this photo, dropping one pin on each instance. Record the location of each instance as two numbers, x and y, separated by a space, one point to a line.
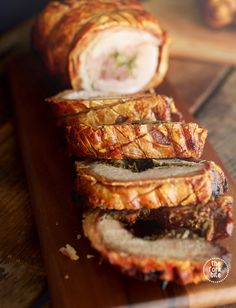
135 184
106 46
136 140
171 259
96 111
213 221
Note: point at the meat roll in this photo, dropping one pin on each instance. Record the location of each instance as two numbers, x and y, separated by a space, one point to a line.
102 45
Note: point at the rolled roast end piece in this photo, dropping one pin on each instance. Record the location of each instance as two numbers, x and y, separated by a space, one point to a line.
105 46
126 61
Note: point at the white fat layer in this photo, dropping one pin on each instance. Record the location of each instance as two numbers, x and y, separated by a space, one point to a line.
73 95
85 95
125 40
117 238
173 170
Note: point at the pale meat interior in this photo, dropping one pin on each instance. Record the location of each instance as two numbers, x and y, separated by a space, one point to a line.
75 95
119 60
115 237
166 168
72 95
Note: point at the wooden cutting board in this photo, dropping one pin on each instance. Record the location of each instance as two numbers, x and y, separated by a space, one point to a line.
86 282
190 35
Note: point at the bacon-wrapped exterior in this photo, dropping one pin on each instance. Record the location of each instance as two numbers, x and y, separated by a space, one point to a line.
104 45
220 13
213 221
136 184
137 140
170 259
114 110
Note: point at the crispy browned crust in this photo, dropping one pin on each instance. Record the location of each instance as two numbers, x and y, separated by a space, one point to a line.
213 221
152 140
63 31
220 13
151 193
169 269
46 22
121 110
63 107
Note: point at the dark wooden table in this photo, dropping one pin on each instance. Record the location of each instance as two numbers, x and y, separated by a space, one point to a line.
210 92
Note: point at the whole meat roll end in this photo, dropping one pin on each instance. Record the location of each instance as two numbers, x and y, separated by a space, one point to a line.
105 46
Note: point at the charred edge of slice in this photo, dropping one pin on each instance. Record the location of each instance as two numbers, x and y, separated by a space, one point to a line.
178 260
213 221
147 183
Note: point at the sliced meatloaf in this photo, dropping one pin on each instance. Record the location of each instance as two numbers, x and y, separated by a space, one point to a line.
148 183
171 259
136 140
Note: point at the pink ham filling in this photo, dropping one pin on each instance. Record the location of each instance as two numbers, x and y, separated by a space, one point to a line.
111 70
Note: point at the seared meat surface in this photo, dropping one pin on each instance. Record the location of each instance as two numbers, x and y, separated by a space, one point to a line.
100 110
136 140
136 184
172 259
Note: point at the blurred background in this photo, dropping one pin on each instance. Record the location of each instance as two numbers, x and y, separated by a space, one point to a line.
12 12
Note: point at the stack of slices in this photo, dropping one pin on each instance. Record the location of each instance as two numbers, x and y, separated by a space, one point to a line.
155 208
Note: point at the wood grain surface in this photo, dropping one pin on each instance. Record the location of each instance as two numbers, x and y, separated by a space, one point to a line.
89 284
209 92
219 114
190 36
22 275
196 80
19 271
